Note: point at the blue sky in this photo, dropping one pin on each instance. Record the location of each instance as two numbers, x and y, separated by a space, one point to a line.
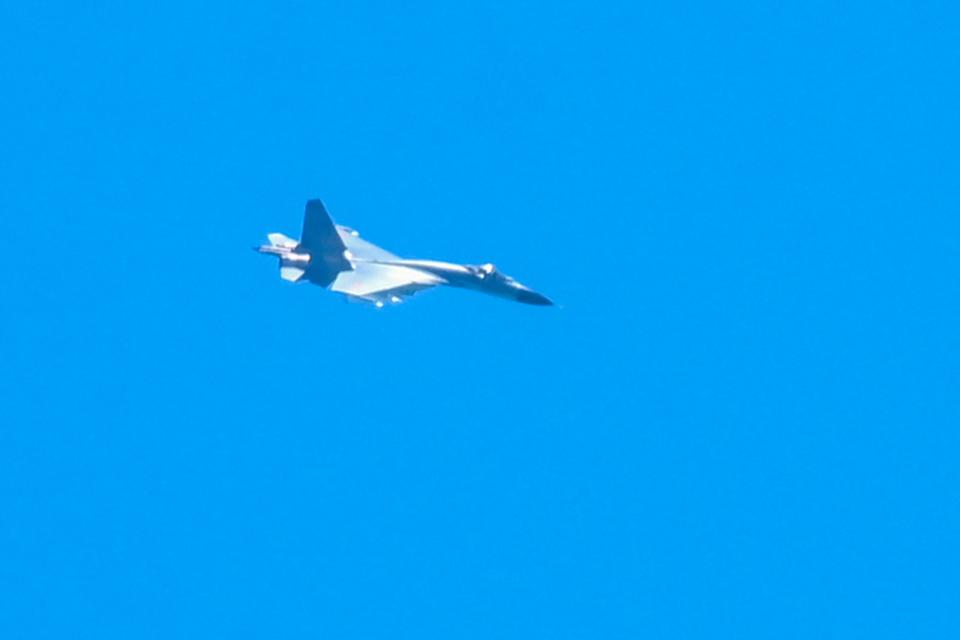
741 423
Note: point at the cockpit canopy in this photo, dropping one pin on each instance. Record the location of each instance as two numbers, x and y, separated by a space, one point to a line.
490 272
485 271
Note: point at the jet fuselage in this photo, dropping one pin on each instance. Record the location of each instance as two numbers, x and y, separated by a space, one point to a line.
335 257
484 278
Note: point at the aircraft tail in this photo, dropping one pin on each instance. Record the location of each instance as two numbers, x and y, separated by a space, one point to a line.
318 256
324 245
281 241
291 273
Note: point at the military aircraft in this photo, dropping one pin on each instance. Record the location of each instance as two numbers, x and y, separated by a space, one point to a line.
336 257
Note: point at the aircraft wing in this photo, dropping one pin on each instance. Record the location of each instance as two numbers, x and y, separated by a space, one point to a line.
381 283
360 248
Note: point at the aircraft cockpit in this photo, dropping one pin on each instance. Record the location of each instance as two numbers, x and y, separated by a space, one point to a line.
490 272
485 271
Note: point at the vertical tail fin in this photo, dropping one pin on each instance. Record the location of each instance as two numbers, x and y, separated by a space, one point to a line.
321 240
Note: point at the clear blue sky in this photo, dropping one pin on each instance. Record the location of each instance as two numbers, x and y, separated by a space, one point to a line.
742 422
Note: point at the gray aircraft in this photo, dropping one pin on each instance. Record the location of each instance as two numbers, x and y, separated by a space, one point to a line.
334 256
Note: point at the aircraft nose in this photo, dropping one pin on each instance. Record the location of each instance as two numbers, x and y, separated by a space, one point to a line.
532 297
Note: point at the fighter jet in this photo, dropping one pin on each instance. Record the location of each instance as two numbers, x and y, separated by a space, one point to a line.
336 257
